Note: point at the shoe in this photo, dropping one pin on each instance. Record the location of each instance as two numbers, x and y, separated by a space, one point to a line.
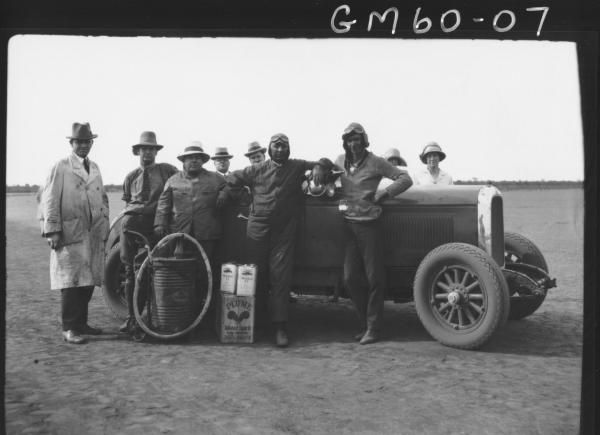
369 337
360 335
125 327
281 338
293 298
73 337
90 330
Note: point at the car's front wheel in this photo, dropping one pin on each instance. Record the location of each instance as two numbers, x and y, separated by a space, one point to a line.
461 296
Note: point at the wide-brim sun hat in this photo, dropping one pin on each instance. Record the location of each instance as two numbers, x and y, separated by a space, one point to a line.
393 153
432 147
147 139
194 148
82 131
253 148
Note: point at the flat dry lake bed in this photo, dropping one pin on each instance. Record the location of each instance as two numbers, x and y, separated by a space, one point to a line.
526 380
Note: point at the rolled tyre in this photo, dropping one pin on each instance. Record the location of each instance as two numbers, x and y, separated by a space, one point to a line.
519 249
461 296
113 288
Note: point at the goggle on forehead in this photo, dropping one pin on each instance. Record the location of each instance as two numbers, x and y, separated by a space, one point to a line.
279 138
353 129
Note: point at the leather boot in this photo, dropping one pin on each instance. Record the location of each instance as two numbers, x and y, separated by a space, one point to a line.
371 336
281 338
126 325
129 289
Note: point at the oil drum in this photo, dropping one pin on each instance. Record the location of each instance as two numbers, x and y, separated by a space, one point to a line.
175 304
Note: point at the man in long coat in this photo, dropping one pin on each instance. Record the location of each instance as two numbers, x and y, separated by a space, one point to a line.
74 206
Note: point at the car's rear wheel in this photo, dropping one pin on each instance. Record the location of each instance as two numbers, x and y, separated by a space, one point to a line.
113 288
519 249
461 296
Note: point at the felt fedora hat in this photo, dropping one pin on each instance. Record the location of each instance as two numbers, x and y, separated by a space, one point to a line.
221 153
194 148
82 131
432 147
253 148
147 139
393 153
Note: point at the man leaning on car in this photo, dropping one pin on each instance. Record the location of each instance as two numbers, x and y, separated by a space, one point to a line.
360 204
271 232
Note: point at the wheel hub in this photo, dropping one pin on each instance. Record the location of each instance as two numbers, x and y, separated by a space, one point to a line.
454 298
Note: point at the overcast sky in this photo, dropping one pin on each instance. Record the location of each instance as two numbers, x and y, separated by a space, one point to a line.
499 109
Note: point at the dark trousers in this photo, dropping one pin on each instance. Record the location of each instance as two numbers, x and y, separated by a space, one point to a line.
210 250
140 223
364 271
74 304
128 243
274 256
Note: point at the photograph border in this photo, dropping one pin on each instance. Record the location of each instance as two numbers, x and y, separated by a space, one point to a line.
567 22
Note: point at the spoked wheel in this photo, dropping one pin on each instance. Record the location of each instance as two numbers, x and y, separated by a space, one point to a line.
144 312
457 298
519 249
460 295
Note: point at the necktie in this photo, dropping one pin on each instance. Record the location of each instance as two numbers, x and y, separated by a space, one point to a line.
86 165
145 193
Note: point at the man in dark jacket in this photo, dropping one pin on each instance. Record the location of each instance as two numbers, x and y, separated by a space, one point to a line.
363 260
190 201
141 189
271 232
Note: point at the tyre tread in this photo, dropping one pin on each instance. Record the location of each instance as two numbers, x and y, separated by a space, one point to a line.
492 270
520 308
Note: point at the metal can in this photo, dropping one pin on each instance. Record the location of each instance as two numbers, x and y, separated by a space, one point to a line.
246 279
229 274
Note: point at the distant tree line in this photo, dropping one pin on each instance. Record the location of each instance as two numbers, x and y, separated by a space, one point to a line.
33 188
502 185
514 185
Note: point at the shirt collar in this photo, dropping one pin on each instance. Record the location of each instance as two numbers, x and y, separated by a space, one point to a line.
356 165
200 172
80 159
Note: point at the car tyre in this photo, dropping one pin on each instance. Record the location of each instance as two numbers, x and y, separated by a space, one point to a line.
519 249
113 288
461 295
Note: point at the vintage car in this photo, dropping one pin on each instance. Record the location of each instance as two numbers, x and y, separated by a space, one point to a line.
445 249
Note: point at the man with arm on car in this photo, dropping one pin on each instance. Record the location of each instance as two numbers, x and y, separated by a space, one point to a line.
271 231
361 206
141 189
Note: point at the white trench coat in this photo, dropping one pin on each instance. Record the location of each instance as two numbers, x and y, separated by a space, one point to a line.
75 203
